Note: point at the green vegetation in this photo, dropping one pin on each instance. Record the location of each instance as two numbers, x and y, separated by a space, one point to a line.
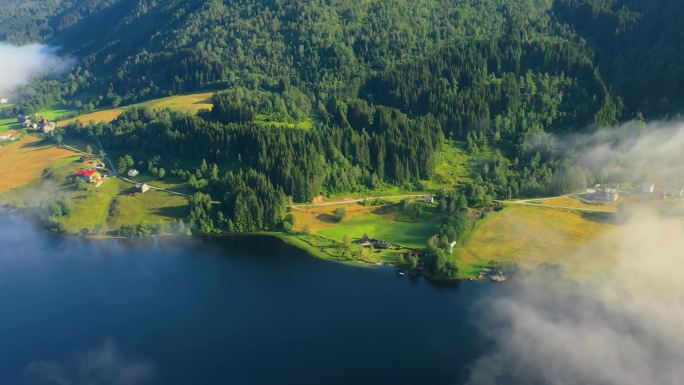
350 99
103 210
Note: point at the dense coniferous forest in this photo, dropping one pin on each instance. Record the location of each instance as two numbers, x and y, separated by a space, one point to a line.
383 83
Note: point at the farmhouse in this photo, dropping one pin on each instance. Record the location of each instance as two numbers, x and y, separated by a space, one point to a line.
647 188
600 195
429 199
143 188
45 125
90 176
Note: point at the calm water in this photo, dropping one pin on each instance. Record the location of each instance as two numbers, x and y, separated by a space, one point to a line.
230 311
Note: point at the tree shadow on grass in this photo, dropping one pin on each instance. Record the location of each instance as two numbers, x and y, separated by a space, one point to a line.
172 211
600 217
327 218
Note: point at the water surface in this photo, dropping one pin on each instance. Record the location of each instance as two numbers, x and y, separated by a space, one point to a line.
242 310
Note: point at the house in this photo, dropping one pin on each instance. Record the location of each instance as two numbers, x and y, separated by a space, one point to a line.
133 173
143 188
90 176
429 199
4 100
609 194
45 125
365 241
675 192
380 245
647 188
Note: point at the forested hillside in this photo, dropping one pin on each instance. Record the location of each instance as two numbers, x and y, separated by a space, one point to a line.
379 86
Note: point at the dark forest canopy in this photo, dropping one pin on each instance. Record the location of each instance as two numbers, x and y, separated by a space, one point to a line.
130 50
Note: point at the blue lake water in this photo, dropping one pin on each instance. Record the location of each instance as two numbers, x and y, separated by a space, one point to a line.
241 310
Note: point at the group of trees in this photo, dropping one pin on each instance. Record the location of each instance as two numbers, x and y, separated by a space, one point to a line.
361 148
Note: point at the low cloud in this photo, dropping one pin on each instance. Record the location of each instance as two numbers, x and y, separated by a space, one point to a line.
19 65
104 365
623 327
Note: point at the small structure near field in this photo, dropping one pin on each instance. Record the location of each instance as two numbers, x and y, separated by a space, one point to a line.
143 188
133 173
675 192
430 199
376 243
600 195
45 125
9 136
647 188
90 176
4 100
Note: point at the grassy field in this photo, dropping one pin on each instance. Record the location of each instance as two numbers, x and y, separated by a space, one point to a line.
25 160
191 103
108 207
385 223
530 236
104 209
566 201
8 124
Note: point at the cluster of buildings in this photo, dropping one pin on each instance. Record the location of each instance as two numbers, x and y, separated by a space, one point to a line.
647 190
43 124
376 243
602 194
671 191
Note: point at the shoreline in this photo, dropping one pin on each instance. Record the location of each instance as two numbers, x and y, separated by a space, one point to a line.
287 238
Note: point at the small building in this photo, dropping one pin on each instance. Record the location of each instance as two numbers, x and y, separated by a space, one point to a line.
451 247
143 188
647 188
380 245
133 173
90 176
610 194
430 199
675 192
365 241
4 100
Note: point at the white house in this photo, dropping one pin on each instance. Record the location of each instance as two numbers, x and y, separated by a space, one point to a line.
647 187
133 173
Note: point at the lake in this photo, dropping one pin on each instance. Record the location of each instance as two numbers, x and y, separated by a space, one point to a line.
239 310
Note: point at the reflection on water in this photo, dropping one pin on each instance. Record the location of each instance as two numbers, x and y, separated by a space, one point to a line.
239 310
